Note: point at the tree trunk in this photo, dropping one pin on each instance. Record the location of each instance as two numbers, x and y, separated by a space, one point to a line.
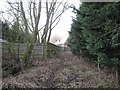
118 77
44 49
98 65
49 35
27 54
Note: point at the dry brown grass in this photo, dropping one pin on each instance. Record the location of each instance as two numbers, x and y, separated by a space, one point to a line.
67 71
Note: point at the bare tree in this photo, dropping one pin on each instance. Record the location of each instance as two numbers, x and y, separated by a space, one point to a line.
35 18
29 21
28 25
53 15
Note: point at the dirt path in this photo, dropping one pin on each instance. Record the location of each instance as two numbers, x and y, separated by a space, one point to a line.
67 71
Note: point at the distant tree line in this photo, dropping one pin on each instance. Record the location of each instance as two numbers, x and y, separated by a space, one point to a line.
12 34
95 34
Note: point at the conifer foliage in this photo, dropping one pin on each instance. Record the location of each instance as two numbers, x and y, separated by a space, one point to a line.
95 33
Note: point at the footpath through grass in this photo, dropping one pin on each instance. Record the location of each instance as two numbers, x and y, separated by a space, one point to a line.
66 71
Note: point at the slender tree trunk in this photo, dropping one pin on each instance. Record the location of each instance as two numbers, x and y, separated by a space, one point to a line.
98 65
49 35
44 49
27 54
118 77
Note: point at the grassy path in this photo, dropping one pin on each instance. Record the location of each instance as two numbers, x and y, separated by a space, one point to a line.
67 71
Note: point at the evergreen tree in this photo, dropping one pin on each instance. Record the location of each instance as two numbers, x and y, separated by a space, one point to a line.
13 33
5 31
17 35
96 32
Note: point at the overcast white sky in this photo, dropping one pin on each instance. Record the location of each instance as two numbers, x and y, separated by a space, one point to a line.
64 25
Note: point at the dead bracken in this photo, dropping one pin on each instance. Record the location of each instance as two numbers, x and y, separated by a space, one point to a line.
66 71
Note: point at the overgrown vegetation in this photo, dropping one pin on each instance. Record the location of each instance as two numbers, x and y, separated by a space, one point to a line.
27 27
95 34
11 58
65 71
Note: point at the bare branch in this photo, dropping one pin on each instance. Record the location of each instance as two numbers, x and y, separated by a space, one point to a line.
31 18
41 28
39 13
34 12
24 17
11 5
56 23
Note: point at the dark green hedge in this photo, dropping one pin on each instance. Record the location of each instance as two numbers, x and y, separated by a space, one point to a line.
95 33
